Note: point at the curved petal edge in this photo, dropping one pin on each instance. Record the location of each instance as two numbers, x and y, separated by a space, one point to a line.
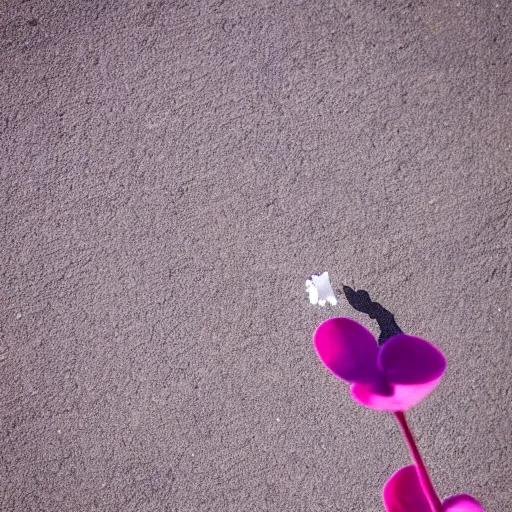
462 503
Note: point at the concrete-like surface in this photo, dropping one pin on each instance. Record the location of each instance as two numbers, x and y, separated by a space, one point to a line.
172 172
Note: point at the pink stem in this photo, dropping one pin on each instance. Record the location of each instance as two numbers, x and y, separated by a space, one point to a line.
426 483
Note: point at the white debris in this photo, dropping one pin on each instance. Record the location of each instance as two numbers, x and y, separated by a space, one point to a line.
320 291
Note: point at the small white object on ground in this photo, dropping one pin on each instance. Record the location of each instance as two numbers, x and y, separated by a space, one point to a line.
320 291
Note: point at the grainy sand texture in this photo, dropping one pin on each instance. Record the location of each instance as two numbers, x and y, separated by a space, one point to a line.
171 173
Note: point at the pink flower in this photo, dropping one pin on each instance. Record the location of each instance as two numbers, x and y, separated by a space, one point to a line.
404 493
393 377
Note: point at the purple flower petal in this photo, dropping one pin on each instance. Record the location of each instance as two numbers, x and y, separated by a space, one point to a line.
347 349
462 503
381 386
409 360
403 492
403 397
395 377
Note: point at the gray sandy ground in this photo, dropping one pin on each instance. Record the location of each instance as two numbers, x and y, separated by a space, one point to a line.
172 172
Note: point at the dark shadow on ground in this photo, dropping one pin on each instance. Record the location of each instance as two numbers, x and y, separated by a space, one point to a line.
361 301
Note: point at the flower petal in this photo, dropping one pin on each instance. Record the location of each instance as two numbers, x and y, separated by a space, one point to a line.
462 503
402 398
403 492
347 349
409 360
